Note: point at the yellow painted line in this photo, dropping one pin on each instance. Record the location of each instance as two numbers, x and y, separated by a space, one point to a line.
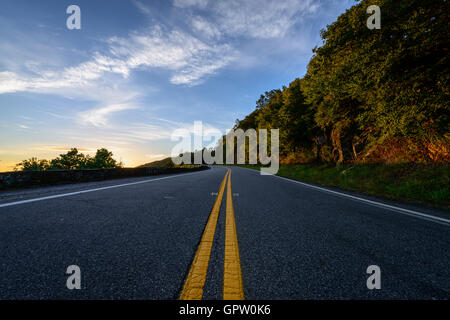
233 288
193 286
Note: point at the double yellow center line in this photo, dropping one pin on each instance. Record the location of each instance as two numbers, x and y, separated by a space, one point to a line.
233 288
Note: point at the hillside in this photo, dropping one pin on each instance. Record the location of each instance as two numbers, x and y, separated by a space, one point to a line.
164 163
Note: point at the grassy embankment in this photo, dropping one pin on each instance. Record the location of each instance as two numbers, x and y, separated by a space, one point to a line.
413 183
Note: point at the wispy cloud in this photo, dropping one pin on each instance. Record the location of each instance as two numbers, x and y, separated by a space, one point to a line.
190 3
186 57
98 116
204 27
142 7
80 76
262 19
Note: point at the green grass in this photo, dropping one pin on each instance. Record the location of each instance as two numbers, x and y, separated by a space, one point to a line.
413 183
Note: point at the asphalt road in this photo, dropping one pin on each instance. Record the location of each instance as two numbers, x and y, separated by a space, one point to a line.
138 240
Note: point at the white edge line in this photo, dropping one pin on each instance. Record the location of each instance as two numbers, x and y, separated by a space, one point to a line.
371 202
92 190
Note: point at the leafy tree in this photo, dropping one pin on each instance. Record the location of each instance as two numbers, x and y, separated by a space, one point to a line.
267 116
103 159
296 118
371 85
72 160
32 164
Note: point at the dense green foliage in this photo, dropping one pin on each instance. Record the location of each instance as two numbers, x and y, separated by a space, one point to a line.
369 95
72 160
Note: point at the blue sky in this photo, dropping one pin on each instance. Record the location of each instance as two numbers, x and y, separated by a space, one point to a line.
138 70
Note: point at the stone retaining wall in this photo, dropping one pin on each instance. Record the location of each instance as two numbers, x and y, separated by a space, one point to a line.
21 179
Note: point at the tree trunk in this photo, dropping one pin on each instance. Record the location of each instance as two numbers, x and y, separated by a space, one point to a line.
337 146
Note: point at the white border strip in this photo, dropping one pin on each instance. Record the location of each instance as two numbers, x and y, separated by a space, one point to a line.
408 212
9 204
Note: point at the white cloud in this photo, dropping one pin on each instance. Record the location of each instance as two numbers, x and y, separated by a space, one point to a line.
190 3
142 7
204 27
262 19
11 82
103 78
80 76
98 116
188 58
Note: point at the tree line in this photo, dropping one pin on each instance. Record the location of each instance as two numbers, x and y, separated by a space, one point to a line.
72 160
368 95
